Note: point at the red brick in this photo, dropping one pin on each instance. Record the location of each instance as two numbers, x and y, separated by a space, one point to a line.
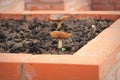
115 25
117 6
111 77
28 1
45 6
103 7
29 6
112 15
118 73
10 66
34 8
77 5
101 1
38 6
6 6
109 34
64 67
10 71
57 6
117 1
108 67
112 1
50 1
99 46
83 8
60 72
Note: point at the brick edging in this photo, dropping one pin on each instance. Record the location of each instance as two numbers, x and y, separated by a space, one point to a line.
94 61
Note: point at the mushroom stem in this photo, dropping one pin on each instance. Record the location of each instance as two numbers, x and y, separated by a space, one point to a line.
94 28
59 25
60 43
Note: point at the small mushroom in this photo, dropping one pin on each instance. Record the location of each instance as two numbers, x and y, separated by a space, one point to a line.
58 18
60 35
94 28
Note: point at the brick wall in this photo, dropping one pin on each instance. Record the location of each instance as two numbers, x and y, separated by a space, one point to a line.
72 4
57 4
19 5
77 5
11 5
106 5
44 4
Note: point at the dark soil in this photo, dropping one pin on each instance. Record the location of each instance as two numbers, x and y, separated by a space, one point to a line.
32 36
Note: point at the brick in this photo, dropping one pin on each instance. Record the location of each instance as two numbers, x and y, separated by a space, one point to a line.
99 46
101 4
101 1
77 5
44 6
10 71
10 66
116 24
16 58
50 1
107 43
55 67
34 8
60 72
117 6
28 1
112 1
117 1
112 77
57 6
107 49
107 68
103 7
113 15
44 1
109 33
5 2
118 73
114 73
6 6
82 8
31 6
45 67
38 6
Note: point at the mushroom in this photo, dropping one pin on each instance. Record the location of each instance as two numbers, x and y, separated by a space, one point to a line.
60 35
58 18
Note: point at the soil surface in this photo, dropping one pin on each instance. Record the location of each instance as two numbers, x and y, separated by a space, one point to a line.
33 36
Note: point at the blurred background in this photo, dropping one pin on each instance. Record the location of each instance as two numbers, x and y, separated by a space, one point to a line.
71 5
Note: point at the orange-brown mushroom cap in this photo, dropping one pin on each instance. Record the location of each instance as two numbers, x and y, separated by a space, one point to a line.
60 35
58 17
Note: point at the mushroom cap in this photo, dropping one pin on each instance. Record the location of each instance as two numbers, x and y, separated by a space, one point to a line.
60 35
58 17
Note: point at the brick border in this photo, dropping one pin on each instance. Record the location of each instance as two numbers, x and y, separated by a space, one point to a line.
98 60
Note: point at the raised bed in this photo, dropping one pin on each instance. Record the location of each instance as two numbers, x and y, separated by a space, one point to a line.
98 60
